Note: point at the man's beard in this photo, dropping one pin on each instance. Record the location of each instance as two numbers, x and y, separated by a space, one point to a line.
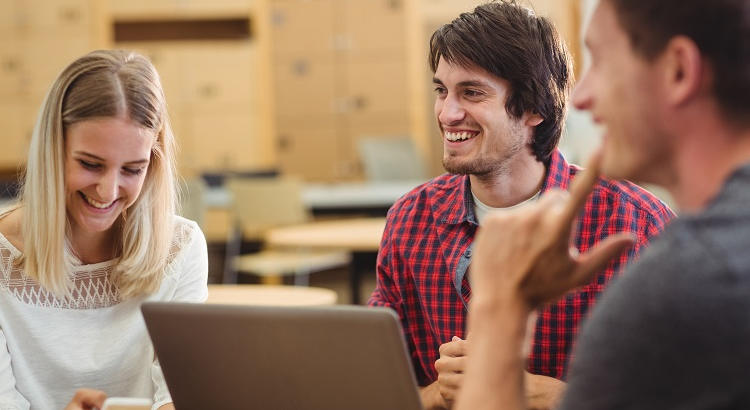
483 165
478 166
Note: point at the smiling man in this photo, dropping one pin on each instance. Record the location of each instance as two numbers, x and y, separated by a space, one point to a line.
502 78
670 83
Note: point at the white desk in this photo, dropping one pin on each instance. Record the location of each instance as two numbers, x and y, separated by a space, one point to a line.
356 194
333 196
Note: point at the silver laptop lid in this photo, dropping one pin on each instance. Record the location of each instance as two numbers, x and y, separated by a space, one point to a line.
296 358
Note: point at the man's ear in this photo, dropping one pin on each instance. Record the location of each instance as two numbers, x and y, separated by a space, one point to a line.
533 119
684 70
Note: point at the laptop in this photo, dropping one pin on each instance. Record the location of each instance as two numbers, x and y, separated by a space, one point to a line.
295 358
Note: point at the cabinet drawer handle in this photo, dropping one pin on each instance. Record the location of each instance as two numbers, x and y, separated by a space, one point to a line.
70 15
10 65
208 91
300 67
283 143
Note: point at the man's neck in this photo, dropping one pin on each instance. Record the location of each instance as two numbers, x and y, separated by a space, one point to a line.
706 158
520 181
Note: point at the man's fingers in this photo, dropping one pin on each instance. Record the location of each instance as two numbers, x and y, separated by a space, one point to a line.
597 258
454 348
450 381
552 198
580 189
450 365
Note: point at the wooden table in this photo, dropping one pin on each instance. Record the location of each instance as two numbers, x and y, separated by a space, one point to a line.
353 234
360 236
265 295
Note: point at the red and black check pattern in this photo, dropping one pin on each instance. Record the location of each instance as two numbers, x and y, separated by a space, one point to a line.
430 230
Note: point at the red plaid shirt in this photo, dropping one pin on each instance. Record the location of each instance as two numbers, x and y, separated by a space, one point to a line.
426 248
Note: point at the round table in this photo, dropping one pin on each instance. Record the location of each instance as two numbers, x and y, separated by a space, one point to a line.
266 295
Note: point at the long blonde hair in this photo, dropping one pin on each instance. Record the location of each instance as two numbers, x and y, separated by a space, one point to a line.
105 83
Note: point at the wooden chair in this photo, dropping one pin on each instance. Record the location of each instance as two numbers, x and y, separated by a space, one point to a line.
259 204
192 200
390 159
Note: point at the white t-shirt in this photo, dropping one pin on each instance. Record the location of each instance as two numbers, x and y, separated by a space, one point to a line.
49 347
481 209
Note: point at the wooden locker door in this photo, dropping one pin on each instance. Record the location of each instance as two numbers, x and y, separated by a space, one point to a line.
141 8
376 86
222 138
46 55
58 14
214 7
309 148
302 27
305 87
444 11
219 73
373 27
54 34
16 132
169 63
11 64
10 14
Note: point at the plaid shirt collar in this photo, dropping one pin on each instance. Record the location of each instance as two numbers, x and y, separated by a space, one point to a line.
459 206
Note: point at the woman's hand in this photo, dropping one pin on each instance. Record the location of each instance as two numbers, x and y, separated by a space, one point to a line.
87 399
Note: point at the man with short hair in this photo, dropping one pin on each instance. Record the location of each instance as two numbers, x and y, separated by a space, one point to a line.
670 83
502 77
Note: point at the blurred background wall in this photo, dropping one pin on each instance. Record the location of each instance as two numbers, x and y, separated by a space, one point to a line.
255 85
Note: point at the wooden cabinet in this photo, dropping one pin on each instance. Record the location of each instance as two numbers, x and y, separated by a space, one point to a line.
213 102
315 139
220 137
38 38
294 88
339 73
373 27
209 70
303 28
17 126
11 63
211 83
305 87
182 8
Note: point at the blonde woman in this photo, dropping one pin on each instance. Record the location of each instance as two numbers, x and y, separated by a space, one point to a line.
94 235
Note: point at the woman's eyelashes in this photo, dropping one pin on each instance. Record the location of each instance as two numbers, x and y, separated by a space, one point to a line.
93 166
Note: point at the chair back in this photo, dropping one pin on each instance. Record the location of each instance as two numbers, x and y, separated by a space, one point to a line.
259 204
390 159
192 200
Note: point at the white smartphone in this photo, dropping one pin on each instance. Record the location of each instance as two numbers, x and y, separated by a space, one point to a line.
127 403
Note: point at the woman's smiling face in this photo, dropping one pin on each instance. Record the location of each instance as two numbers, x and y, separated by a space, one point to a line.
106 162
